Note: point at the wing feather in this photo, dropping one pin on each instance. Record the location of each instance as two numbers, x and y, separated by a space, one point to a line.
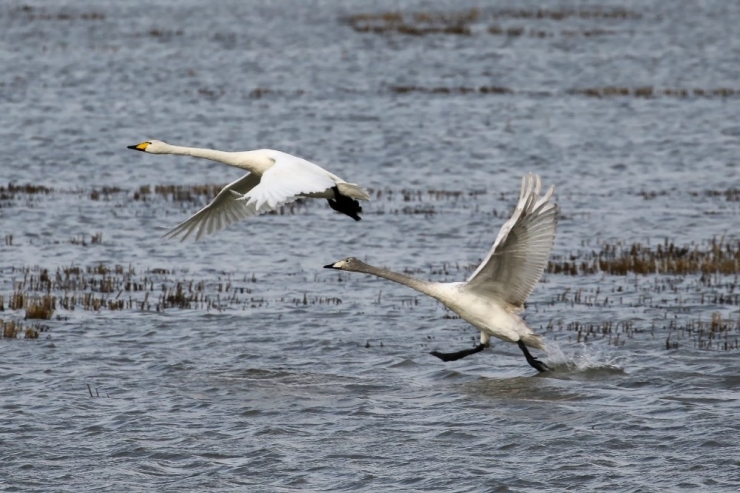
222 211
522 248
289 178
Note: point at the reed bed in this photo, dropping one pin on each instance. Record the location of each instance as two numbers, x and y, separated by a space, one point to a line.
605 92
458 23
593 92
11 329
40 292
567 13
652 92
415 24
12 192
730 195
720 334
520 31
716 256
34 13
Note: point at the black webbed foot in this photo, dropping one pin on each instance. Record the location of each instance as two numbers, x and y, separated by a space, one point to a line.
459 354
345 205
533 362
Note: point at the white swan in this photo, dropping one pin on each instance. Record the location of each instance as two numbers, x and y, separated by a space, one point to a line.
493 296
275 178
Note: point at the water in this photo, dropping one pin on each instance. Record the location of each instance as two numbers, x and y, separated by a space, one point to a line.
281 376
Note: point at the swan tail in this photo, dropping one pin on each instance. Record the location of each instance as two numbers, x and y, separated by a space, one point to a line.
534 341
353 191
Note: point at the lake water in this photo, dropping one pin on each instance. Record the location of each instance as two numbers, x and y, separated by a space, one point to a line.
266 372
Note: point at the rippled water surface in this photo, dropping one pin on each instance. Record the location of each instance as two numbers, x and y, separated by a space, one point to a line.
265 372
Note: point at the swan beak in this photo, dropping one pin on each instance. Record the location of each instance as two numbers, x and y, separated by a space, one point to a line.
139 147
331 266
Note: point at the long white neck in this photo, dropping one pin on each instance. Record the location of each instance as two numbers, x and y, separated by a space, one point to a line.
426 287
251 161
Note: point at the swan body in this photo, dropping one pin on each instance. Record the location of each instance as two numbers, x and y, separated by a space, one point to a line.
492 298
274 178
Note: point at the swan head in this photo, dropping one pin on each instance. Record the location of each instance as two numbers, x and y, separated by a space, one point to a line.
151 146
349 263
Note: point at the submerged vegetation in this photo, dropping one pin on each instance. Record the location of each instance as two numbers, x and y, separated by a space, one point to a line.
34 13
464 22
651 92
594 92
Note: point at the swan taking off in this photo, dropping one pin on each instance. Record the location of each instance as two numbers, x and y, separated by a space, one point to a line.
493 296
275 178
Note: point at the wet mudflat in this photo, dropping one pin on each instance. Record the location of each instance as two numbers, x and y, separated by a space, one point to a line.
238 363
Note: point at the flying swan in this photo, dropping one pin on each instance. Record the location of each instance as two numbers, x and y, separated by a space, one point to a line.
275 178
493 296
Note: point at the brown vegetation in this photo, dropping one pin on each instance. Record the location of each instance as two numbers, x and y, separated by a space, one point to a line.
451 90
32 13
41 308
714 257
594 92
650 92
415 24
10 329
458 23
562 14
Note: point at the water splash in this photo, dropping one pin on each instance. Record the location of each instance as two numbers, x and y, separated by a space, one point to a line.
584 358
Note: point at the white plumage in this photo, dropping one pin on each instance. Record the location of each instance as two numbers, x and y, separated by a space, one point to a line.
494 295
275 178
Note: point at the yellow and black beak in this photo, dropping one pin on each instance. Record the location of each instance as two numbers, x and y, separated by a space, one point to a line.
331 266
139 147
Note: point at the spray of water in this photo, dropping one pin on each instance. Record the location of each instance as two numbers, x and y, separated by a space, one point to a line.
584 357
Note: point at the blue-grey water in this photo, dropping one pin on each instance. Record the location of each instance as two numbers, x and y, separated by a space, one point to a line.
277 375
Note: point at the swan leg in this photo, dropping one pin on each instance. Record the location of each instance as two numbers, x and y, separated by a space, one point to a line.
345 205
459 354
534 362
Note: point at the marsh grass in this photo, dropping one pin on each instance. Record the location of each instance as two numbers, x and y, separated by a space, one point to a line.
115 287
720 334
715 256
11 191
593 92
416 23
519 31
10 329
41 308
451 90
567 13
34 13
648 92
730 194
458 23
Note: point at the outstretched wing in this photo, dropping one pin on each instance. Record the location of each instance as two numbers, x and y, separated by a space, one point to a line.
287 179
522 248
222 211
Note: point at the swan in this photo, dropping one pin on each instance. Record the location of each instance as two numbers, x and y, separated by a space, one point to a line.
493 296
275 178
